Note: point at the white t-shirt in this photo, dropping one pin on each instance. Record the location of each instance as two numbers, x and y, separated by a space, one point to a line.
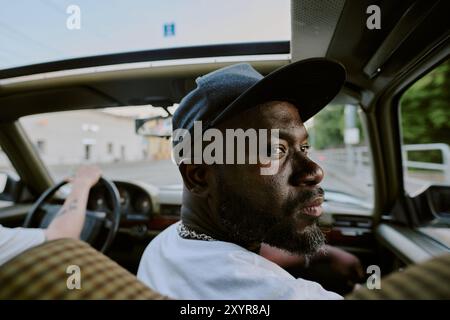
14 241
195 269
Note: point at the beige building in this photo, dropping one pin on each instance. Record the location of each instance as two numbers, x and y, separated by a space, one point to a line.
159 148
91 136
85 136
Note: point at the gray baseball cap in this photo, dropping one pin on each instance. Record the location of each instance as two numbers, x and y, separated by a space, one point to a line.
309 84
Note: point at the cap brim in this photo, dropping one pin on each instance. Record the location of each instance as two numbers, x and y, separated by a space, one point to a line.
309 84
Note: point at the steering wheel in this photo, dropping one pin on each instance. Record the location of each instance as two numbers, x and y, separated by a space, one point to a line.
95 221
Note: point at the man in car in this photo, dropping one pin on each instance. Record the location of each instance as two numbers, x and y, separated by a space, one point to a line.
67 224
232 215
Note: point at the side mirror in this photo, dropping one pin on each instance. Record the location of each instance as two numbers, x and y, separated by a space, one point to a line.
159 126
438 198
3 181
432 204
10 187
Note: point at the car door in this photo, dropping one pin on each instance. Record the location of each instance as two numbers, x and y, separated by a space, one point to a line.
419 226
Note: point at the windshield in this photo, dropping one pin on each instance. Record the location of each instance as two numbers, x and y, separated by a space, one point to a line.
105 137
31 32
108 138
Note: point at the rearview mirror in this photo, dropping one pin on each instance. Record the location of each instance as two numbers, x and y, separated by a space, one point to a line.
159 126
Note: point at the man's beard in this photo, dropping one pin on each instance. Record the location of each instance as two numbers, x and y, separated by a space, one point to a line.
247 224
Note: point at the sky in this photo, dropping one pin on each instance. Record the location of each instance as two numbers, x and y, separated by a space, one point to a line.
36 31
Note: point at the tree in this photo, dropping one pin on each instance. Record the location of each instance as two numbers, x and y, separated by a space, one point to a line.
425 112
328 128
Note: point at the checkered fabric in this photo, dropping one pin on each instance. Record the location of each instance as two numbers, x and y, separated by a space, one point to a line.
428 280
44 272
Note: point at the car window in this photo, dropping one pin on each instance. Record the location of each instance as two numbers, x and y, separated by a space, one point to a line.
339 146
425 123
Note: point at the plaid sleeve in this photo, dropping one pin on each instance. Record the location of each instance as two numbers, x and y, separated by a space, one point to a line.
69 269
428 280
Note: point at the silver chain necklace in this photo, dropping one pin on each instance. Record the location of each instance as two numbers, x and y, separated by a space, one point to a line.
187 233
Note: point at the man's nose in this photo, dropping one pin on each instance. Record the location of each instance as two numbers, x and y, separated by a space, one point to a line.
306 172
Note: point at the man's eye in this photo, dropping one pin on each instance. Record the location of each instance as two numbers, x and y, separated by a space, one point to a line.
304 148
277 151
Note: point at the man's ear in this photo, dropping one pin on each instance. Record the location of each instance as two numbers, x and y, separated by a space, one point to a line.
195 178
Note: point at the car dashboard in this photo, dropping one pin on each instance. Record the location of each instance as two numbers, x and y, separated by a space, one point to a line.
140 204
135 202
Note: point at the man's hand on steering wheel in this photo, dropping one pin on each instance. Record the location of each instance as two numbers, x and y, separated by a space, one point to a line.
86 176
69 221
73 219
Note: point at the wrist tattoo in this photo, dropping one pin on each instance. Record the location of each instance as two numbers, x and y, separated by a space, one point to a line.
71 206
